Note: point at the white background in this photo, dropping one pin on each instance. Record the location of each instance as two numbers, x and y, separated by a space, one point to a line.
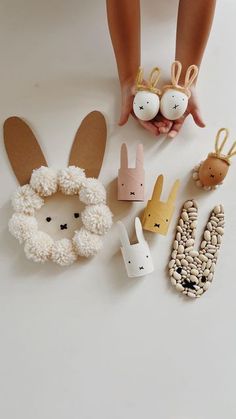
85 341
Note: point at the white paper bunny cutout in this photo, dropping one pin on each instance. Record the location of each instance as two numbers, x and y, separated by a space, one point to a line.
137 257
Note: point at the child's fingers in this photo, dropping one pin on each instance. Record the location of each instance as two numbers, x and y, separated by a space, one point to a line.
198 118
150 127
175 129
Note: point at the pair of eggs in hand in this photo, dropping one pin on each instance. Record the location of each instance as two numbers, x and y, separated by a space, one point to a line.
172 104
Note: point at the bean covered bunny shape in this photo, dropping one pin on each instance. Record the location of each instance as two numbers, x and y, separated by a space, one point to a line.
157 214
59 215
137 256
174 100
131 180
211 172
146 101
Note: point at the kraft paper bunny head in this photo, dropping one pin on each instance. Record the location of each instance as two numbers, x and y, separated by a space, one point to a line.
157 214
211 172
137 257
59 215
131 180
174 100
146 101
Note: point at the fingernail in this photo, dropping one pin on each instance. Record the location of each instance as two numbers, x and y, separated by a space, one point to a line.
172 134
163 130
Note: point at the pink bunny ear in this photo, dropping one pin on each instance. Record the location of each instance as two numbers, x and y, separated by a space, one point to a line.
139 157
124 157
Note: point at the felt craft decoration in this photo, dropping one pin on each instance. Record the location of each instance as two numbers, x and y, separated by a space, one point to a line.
174 100
191 271
211 173
157 214
146 101
131 180
59 215
137 256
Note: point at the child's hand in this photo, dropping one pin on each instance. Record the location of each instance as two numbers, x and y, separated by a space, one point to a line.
127 97
172 128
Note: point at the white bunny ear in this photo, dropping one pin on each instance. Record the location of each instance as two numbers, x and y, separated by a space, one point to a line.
124 157
223 132
139 157
176 69
190 76
139 230
124 238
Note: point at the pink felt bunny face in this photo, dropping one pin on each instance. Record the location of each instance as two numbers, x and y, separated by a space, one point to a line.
131 180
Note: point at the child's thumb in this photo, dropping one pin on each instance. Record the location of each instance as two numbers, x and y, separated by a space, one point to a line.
198 118
124 116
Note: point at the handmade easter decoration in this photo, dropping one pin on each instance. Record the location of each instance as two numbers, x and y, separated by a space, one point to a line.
174 100
191 271
59 215
131 180
157 214
146 101
137 256
211 173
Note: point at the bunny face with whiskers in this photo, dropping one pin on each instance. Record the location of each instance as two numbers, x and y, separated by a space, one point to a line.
146 101
131 180
174 100
211 172
59 214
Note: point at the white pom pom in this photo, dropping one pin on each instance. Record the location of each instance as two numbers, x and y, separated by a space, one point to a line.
26 200
39 247
44 181
92 192
63 252
97 218
22 226
86 243
70 180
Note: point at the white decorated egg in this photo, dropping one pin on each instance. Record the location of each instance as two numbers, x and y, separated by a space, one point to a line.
146 105
173 104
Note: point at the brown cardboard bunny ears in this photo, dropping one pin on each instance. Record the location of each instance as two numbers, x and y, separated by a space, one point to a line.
25 154
190 76
153 79
219 147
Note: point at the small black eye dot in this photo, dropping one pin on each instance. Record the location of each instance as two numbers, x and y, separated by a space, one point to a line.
141 184
209 168
76 215
149 215
129 261
122 184
167 220
220 174
147 102
173 96
179 270
147 256
183 99
48 219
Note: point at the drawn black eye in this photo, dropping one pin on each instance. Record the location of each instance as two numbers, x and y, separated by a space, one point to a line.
48 219
220 174
167 220
122 184
147 256
147 102
129 261
141 184
149 215
209 168
179 270
172 96
76 215
183 99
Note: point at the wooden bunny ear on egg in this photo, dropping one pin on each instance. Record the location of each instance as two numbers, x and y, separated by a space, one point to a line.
176 69
22 148
89 144
190 76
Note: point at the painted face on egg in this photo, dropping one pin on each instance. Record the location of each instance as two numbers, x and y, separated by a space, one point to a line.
213 171
173 104
146 105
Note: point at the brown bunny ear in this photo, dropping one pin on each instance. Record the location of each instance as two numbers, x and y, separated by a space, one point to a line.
89 144
22 148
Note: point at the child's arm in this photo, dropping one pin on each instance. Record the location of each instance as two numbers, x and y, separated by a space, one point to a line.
124 26
193 28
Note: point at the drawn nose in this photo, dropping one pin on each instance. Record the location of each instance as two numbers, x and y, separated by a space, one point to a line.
63 226
212 176
157 225
141 267
176 106
132 193
141 108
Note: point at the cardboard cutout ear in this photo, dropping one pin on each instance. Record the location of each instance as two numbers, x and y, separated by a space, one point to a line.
173 192
89 144
124 238
139 230
124 157
139 157
157 189
22 148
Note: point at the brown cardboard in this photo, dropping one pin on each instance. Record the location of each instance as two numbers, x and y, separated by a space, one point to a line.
89 144
23 150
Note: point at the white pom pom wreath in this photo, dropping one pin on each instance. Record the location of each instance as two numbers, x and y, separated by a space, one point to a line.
97 218
86 243
39 247
63 252
92 192
70 180
26 200
22 226
44 181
